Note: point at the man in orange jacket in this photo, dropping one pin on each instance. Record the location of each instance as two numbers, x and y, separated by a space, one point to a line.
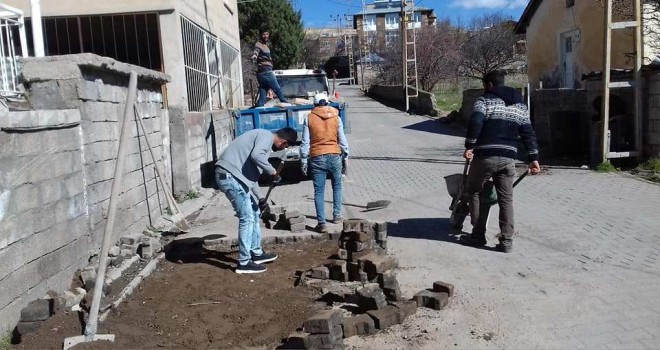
324 142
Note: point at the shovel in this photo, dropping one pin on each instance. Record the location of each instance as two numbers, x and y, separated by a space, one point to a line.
177 215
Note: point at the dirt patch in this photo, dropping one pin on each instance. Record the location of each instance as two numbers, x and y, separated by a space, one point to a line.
238 311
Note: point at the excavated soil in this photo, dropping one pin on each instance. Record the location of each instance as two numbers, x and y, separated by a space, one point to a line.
195 300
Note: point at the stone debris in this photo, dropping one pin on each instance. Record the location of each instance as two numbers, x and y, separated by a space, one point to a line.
432 300
358 325
324 330
442 287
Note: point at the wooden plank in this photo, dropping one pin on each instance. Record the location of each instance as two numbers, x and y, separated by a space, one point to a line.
605 111
624 25
639 107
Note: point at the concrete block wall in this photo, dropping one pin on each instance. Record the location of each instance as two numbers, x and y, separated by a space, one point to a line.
425 103
44 232
652 139
198 139
56 168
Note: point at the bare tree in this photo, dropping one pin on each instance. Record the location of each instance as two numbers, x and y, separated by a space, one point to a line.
488 46
311 49
622 10
438 56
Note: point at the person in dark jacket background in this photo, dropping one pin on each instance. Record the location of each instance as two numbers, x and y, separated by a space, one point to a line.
499 119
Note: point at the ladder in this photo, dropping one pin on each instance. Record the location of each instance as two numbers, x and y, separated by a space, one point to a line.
636 84
364 46
348 44
409 40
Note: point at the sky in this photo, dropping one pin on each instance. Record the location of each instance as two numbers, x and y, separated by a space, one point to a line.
317 13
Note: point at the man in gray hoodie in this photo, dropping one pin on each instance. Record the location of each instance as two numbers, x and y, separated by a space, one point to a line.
237 173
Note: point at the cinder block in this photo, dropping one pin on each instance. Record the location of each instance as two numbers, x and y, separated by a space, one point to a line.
132 247
37 310
353 270
291 213
355 225
354 246
322 341
380 227
277 210
371 297
116 261
385 317
126 253
442 287
146 252
356 256
24 328
114 251
364 277
405 309
321 272
130 239
360 236
298 227
374 264
358 325
432 300
390 285
297 220
323 322
333 236
342 254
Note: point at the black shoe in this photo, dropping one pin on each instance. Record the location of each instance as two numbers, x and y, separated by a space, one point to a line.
505 246
337 219
250 267
264 258
473 241
321 228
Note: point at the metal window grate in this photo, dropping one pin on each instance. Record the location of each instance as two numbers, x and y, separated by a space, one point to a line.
213 70
131 38
12 37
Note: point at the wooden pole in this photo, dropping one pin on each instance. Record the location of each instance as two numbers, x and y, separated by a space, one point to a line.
404 50
639 108
607 57
92 321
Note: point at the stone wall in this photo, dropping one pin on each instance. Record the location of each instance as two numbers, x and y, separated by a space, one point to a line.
198 139
653 126
57 164
392 95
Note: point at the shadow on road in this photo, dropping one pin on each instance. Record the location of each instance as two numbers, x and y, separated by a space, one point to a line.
435 127
438 229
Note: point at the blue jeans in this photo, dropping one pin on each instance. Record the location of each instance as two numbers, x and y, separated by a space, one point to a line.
268 81
247 211
320 168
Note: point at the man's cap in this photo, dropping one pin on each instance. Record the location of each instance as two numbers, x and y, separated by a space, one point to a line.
320 98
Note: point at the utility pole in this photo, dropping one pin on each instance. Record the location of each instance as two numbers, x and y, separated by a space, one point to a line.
404 51
37 32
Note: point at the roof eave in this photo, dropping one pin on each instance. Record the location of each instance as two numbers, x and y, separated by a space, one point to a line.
526 17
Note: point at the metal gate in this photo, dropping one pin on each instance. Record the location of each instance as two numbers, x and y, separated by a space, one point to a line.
213 70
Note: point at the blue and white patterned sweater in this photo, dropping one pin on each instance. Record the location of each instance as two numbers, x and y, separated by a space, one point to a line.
498 121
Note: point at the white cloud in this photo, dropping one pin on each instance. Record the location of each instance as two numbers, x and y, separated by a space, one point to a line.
489 4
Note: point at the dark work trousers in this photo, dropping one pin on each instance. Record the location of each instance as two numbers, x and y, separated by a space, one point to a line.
503 171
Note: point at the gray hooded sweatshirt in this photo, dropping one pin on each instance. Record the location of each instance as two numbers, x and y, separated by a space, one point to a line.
246 156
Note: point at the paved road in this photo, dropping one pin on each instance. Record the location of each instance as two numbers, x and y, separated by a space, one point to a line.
584 273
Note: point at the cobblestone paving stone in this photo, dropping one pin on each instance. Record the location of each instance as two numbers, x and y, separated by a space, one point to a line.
584 273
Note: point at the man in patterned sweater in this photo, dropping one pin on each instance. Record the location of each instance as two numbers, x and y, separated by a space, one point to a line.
499 119
265 76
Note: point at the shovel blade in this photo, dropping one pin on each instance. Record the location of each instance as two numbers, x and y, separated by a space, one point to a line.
378 204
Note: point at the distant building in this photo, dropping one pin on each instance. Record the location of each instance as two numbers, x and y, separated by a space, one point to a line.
332 41
380 22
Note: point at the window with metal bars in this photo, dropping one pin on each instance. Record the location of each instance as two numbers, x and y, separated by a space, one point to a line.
130 38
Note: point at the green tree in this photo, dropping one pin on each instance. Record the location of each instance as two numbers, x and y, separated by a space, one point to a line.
284 24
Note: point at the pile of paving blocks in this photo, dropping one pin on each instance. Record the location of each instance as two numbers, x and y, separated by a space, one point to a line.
362 276
286 219
361 255
134 244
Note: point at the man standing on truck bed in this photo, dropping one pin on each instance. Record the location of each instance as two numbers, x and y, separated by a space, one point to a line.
499 118
323 140
265 76
237 173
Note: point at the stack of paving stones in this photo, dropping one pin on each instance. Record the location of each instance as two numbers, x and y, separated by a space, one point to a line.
286 219
436 298
134 244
